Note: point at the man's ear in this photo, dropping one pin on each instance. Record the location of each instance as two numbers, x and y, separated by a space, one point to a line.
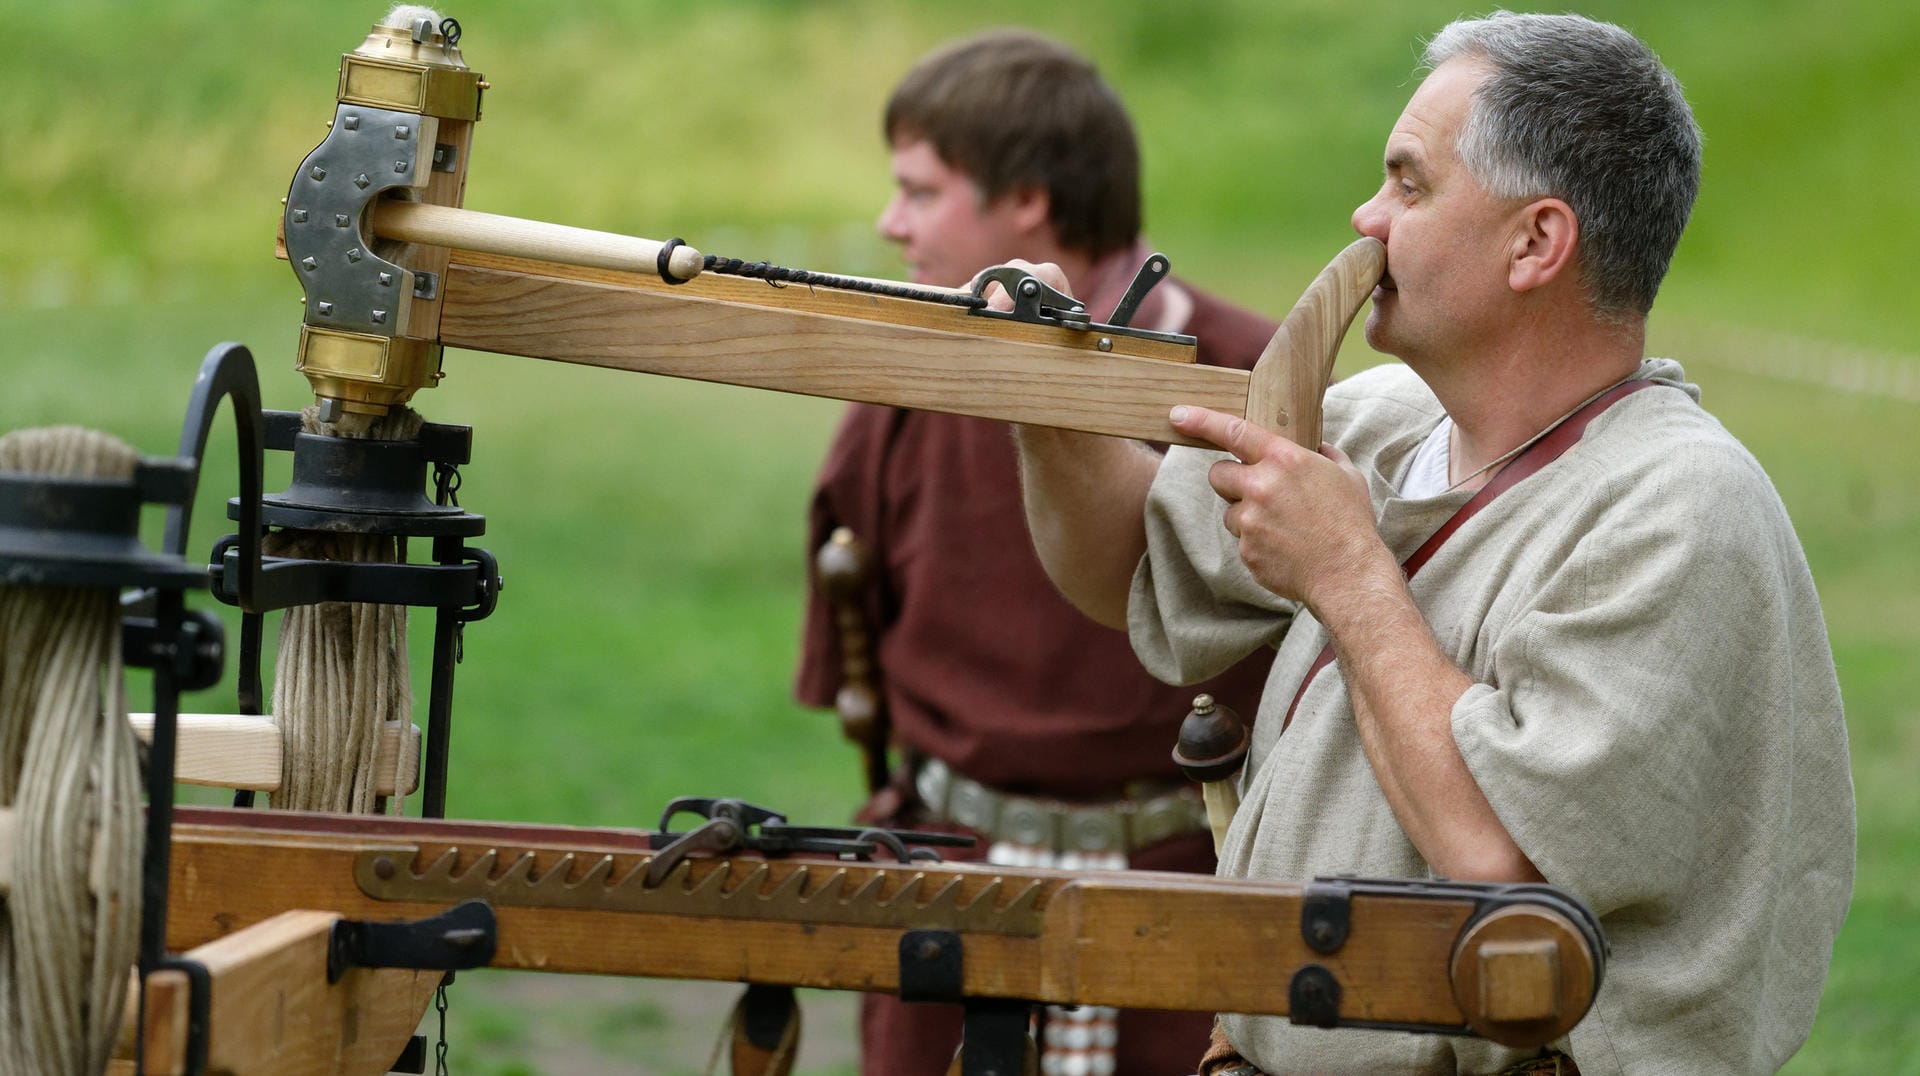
1032 208
1543 244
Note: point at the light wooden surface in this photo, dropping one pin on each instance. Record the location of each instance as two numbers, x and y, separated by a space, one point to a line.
555 314
240 751
1137 939
273 1011
1292 374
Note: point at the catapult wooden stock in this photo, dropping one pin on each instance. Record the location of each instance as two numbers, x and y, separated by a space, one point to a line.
572 900
878 349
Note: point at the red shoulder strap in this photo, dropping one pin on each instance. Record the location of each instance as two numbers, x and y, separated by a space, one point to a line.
1535 456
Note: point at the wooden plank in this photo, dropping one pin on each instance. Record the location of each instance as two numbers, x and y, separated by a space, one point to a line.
273 1011
243 751
516 312
164 1034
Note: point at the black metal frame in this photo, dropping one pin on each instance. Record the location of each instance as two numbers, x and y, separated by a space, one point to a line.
385 497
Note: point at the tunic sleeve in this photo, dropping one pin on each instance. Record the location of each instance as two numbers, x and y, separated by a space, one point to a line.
1194 609
1647 731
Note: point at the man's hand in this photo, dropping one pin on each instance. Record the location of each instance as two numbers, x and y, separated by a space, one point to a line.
1046 272
1304 519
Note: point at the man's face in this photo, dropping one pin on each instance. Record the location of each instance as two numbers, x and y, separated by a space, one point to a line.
1447 238
946 231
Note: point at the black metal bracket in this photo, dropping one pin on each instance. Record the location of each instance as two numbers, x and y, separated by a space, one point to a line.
195 651
1313 997
1326 915
413 1056
1037 303
931 966
766 1009
464 936
734 825
993 1037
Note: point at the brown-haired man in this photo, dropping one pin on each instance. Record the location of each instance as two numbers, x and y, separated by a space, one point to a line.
1007 704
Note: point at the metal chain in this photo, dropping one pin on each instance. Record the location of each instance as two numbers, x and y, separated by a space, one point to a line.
446 485
440 1051
780 276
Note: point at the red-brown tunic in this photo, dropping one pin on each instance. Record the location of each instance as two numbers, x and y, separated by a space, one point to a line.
985 666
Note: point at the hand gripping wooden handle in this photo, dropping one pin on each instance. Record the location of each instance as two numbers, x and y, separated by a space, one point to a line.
1292 374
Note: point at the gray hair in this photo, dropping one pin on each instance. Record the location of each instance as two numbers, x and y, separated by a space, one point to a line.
1585 112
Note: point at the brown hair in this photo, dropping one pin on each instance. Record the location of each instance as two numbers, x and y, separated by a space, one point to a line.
1013 110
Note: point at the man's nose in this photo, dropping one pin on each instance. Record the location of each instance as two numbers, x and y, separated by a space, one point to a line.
1370 219
891 224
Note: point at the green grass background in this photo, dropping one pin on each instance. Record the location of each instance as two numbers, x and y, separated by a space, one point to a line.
649 530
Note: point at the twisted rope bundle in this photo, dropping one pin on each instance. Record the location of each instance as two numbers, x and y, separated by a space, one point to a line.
69 928
341 672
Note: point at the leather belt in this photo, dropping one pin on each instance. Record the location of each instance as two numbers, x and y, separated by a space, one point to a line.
1126 825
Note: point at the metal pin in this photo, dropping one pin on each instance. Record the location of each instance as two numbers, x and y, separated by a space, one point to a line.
361 181
341 220
352 122
379 317
326 309
1106 343
318 172
402 131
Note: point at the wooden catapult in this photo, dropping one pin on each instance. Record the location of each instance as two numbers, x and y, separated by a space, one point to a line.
284 942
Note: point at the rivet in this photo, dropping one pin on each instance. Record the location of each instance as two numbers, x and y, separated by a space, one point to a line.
402 131
1030 288
400 166
353 255
309 264
379 317
299 216
326 309
361 181
383 868
318 172
386 280
1106 343
352 122
341 220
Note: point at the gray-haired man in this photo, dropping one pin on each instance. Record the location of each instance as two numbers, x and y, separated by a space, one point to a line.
1614 676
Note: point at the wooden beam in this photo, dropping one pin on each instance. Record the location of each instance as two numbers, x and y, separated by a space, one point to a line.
1137 939
272 1010
242 751
1039 374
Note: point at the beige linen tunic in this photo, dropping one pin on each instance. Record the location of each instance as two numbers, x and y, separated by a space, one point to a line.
1655 719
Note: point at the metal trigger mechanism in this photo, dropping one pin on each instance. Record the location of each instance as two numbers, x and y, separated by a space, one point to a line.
1037 303
733 825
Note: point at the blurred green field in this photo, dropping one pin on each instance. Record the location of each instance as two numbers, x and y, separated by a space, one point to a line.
649 530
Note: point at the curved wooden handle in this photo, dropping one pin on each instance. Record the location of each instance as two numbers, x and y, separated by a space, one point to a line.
1291 376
